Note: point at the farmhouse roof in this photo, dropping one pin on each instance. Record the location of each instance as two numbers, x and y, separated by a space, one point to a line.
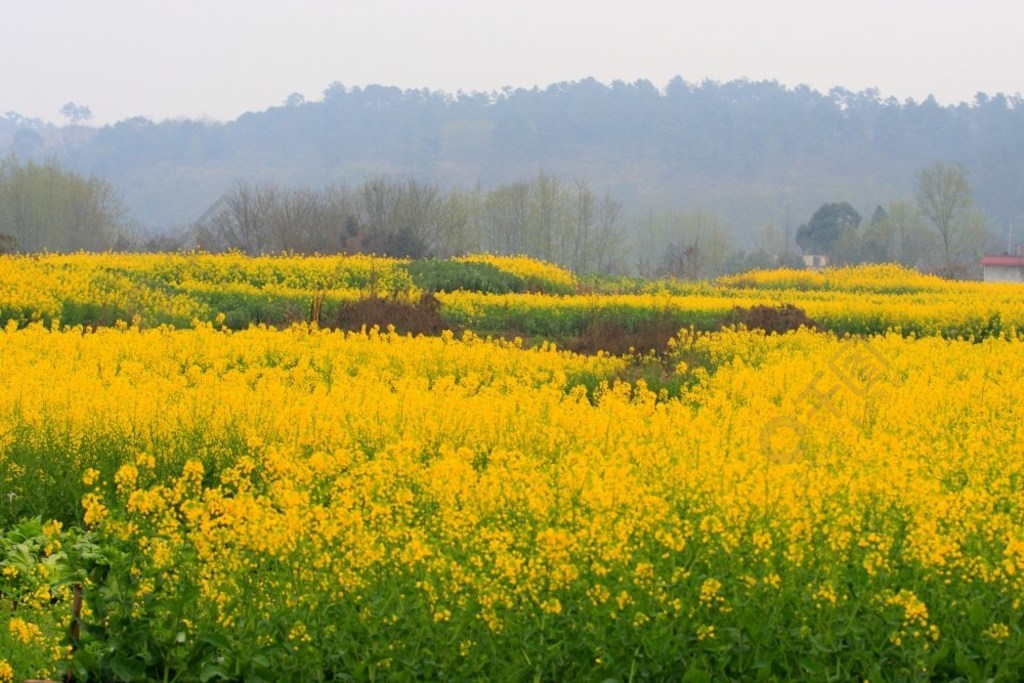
1002 260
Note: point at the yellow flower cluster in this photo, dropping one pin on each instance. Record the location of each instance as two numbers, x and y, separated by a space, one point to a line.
998 632
881 277
23 631
528 269
476 476
178 287
488 490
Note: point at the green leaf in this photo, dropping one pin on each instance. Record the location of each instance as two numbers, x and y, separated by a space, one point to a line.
696 675
215 639
968 666
127 668
212 672
95 630
978 614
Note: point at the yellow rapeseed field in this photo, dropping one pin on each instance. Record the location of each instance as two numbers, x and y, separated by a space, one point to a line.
303 503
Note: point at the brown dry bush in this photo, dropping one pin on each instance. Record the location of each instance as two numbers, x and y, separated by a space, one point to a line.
615 337
780 319
409 317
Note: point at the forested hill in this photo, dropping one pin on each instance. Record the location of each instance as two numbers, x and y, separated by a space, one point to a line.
746 151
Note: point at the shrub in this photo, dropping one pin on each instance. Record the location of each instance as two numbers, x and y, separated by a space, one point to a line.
779 319
450 276
8 244
408 317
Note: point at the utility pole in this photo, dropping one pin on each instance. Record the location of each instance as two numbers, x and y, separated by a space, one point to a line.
786 248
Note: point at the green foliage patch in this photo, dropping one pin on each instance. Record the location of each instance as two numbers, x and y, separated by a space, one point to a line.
436 275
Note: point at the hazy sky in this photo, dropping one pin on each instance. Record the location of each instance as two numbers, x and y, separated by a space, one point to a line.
219 58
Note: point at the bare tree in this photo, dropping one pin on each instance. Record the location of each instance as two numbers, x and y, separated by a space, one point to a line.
293 219
547 216
244 219
585 214
379 197
771 241
456 227
608 234
651 240
944 198
698 246
507 210
416 218
338 229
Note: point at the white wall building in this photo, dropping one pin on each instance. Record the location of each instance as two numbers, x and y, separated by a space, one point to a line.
815 261
1003 267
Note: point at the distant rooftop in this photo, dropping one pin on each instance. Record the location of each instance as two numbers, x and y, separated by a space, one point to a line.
1003 260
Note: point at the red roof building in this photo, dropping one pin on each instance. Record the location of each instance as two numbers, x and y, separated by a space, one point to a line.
1003 267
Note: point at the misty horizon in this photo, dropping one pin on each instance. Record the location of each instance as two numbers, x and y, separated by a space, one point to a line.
196 61
744 154
296 98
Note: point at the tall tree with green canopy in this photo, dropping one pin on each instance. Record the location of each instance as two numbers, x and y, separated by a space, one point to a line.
821 234
43 206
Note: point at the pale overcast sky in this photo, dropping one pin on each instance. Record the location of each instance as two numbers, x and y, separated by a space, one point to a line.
220 58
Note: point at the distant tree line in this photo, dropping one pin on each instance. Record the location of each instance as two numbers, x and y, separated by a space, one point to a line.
44 206
565 223
940 229
741 150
